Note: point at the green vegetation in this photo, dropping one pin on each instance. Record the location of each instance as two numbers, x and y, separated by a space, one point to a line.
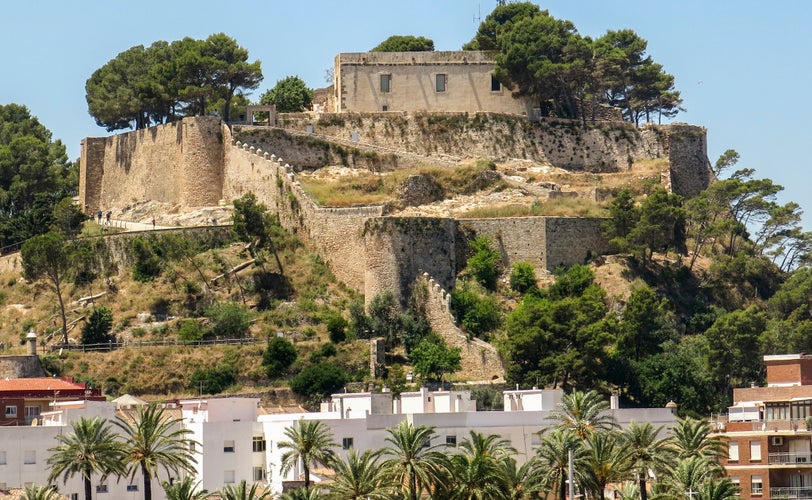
148 86
289 95
546 59
98 327
405 43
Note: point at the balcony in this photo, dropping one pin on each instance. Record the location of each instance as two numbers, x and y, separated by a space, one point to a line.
791 458
721 423
791 493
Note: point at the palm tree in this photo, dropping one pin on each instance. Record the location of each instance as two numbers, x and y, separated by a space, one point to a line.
695 438
243 492
41 493
311 443
523 483
722 489
153 441
415 463
303 494
583 413
648 452
476 471
185 489
690 474
553 460
361 477
90 448
607 461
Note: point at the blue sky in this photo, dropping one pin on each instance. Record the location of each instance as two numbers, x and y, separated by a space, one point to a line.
743 67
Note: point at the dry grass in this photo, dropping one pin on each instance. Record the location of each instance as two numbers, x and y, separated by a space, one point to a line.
563 207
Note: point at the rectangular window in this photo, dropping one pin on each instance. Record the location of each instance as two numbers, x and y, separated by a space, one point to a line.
31 412
346 443
440 82
2 458
29 457
3 486
228 446
386 83
228 476
11 412
101 488
259 474
496 85
132 487
755 451
74 496
451 440
258 444
756 486
733 451
192 446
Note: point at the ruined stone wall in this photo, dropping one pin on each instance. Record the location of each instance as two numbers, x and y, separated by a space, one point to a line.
687 147
20 367
180 162
480 360
573 240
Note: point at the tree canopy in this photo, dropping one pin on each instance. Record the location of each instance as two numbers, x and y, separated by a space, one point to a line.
405 43
289 95
569 75
145 86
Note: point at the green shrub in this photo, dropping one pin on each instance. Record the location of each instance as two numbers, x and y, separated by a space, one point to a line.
278 356
327 350
214 380
477 312
98 327
337 328
483 264
523 277
229 320
147 256
319 381
190 331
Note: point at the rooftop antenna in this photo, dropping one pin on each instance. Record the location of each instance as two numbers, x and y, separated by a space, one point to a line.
478 16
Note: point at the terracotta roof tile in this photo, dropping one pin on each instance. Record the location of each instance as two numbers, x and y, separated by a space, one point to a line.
37 384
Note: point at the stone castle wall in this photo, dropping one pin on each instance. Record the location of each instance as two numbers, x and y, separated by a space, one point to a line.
180 162
480 360
20 367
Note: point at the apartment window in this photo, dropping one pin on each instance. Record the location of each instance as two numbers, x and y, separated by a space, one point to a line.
29 457
756 486
386 83
192 446
451 440
101 488
440 82
346 443
11 412
31 412
2 458
496 85
733 451
132 487
228 476
228 446
74 496
755 451
259 474
735 481
259 444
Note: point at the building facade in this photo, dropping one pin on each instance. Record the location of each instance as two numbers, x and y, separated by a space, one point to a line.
442 81
769 431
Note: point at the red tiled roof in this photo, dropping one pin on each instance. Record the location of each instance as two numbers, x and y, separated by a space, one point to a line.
38 384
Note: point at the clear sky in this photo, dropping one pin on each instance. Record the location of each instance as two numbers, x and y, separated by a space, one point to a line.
743 67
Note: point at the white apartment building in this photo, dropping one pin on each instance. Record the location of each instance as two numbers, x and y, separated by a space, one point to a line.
235 442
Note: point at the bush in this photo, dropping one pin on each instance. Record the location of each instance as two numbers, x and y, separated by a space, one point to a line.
191 331
523 277
214 380
478 313
337 328
327 350
319 381
98 327
229 320
148 264
483 264
278 356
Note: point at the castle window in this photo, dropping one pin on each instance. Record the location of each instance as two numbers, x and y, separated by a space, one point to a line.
496 85
441 82
386 81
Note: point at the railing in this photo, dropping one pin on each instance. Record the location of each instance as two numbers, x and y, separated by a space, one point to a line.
111 346
790 457
791 493
795 424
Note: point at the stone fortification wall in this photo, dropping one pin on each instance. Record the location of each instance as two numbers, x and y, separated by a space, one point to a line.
20 367
335 233
480 360
400 249
601 147
180 162
573 240
687 147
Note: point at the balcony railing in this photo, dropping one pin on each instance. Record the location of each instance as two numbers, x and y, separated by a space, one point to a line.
721 423
791 493
791 457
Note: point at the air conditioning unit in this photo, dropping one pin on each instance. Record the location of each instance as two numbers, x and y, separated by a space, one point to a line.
777 440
